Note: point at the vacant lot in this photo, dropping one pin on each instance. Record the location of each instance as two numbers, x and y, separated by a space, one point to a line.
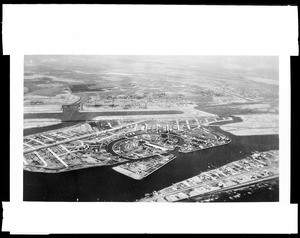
256 124
33 123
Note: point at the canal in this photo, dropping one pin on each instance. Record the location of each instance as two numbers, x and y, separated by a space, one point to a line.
105 184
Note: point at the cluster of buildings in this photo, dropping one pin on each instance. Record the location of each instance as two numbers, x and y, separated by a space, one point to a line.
182 124
111 142
143 168
83 145
142 145
119 103
257 167
150 100
51 137
201 138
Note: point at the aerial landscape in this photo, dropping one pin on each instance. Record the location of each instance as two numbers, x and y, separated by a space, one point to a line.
151 128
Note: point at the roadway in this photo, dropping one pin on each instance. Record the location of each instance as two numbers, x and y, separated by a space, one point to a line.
273 177
162 195
83 137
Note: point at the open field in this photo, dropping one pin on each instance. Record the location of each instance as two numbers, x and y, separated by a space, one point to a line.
33 123
47 100
44 109
256 124
263 80
150 82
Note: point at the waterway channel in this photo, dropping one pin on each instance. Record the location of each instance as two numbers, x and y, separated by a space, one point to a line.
105 184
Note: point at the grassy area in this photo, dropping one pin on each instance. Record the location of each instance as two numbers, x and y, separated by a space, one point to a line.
49 92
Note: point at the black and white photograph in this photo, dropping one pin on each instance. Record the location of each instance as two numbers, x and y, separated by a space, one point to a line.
151 128
149 119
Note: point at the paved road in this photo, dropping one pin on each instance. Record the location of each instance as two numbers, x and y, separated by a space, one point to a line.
273 177
210 182
82 137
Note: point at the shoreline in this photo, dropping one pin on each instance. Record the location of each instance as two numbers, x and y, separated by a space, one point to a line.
137 177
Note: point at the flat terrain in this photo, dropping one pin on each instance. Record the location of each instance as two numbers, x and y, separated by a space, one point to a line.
33 123
106 83
255 124
127 114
